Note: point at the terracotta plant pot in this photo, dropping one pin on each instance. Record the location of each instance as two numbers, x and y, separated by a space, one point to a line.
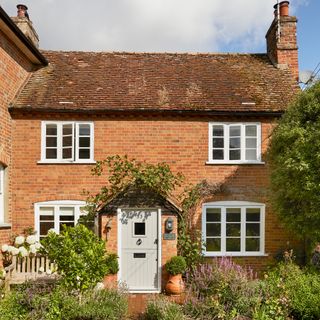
175 285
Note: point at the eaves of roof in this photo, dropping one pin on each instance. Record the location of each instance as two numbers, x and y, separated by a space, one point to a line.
20 40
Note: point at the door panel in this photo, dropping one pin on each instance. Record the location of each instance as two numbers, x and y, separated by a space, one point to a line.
139 249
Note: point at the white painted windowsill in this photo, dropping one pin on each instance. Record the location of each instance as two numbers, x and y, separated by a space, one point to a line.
236 162
5 225
232 255
66 162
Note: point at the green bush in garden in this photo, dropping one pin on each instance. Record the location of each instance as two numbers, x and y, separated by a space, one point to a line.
79 255
176 265
221 290
39 301
162 309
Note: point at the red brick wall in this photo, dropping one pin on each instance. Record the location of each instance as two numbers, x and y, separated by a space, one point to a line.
284 50
181 142
14 70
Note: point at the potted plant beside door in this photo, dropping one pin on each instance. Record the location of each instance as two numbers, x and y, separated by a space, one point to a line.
176 266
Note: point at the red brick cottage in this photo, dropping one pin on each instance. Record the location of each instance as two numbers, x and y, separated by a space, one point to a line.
208 116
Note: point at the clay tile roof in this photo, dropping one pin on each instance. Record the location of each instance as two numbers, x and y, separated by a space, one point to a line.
88 81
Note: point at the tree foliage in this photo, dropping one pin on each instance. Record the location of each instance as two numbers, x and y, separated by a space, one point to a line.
80 256
294 156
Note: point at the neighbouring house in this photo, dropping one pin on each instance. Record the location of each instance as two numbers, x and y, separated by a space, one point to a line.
209 116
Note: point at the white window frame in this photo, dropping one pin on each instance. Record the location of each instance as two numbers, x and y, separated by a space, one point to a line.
75 142
56 205
243 205
2 217
226 138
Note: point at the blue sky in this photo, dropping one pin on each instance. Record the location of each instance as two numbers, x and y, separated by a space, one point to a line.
168 25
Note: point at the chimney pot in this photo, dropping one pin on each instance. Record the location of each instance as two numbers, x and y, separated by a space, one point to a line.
283 8
22 11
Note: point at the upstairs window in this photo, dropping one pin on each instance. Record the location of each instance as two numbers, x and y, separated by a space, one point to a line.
233 228
234 142
52 215
67 141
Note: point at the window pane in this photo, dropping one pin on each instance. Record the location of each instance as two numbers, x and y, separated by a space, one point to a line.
84 142
51 141
253 214
233 214
51 129
217 154
67 141
213 244
251 154
66 211
252 244
84 154
251 143
67 153
251 130
45 227
233 244
234 154
213 229
234 143
217 142
233 229
67 129
253 229
217 131
48 211
139 229
213 214
67 218
51 153
84 130
235 131
46 218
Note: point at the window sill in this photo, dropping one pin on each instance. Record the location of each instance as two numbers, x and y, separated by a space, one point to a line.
235 162
255 254
4 225
66 162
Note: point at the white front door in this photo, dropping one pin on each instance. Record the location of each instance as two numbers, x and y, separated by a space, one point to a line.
139 249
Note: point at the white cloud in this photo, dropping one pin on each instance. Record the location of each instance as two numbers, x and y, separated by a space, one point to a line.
150 25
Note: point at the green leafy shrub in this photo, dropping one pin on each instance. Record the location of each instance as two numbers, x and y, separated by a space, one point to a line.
162 309
176 265
80 256
303 290
221 290
112 263
109 304
39 301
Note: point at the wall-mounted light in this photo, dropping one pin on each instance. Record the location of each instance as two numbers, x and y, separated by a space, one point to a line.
169 225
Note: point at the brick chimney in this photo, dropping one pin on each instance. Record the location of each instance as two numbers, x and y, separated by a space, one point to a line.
281 38
23 22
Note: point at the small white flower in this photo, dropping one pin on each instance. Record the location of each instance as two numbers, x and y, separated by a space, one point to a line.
49 272
32 249
14 251
4 248
78 278
19 240
31 239
23 252
99 286
41 269
37 245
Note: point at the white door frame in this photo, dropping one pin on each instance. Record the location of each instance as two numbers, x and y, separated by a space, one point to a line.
159 256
